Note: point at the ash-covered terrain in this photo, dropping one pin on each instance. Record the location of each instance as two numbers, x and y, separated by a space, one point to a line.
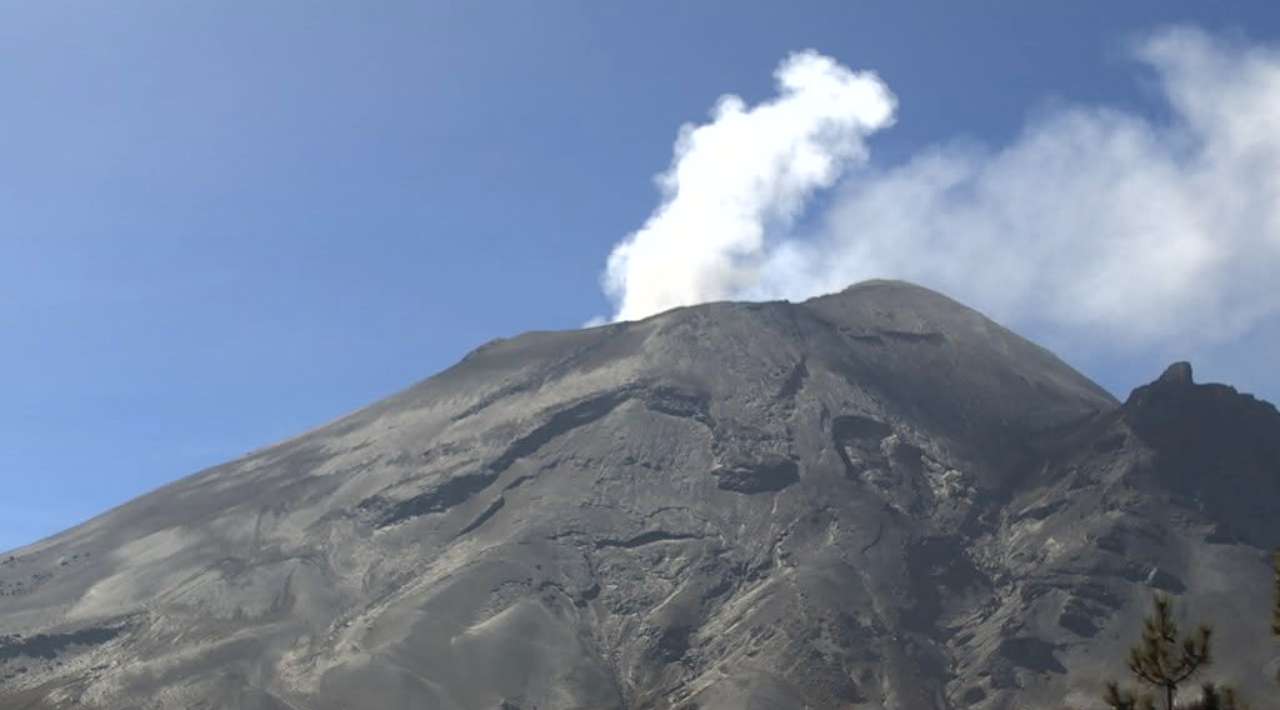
875 499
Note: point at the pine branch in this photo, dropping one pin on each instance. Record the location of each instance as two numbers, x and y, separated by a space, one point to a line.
1275 611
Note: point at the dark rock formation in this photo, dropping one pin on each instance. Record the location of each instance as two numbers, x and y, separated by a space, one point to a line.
875 499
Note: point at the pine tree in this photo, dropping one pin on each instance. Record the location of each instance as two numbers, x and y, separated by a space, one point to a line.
1213 699
1164 660
1118 699
1275 610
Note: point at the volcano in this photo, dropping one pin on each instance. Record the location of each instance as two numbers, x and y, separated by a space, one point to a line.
874 499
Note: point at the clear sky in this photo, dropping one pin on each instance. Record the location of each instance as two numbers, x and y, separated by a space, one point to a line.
225 223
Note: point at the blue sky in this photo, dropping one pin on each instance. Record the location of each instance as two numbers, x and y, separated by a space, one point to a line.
226 223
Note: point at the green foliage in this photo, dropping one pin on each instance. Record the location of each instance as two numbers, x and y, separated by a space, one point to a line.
1118 699
1213 699
1275 610
1163 659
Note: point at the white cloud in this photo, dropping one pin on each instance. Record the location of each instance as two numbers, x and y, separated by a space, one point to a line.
732 180
1094 221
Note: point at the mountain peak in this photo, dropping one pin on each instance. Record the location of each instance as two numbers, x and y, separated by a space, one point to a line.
729 505
1179 373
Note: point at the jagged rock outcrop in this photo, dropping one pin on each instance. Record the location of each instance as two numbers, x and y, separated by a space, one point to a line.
875 499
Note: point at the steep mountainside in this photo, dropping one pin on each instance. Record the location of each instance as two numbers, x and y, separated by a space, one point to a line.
875 499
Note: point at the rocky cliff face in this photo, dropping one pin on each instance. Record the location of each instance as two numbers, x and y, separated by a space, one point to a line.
876 499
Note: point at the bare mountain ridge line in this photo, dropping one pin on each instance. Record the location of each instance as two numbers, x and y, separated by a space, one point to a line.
764 476
457 489
723 506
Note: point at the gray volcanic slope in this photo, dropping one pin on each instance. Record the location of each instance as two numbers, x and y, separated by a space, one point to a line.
875 499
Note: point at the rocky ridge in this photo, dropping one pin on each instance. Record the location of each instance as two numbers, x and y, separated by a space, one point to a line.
874 499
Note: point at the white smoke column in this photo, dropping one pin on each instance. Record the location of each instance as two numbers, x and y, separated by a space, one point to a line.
731 180
1095 225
